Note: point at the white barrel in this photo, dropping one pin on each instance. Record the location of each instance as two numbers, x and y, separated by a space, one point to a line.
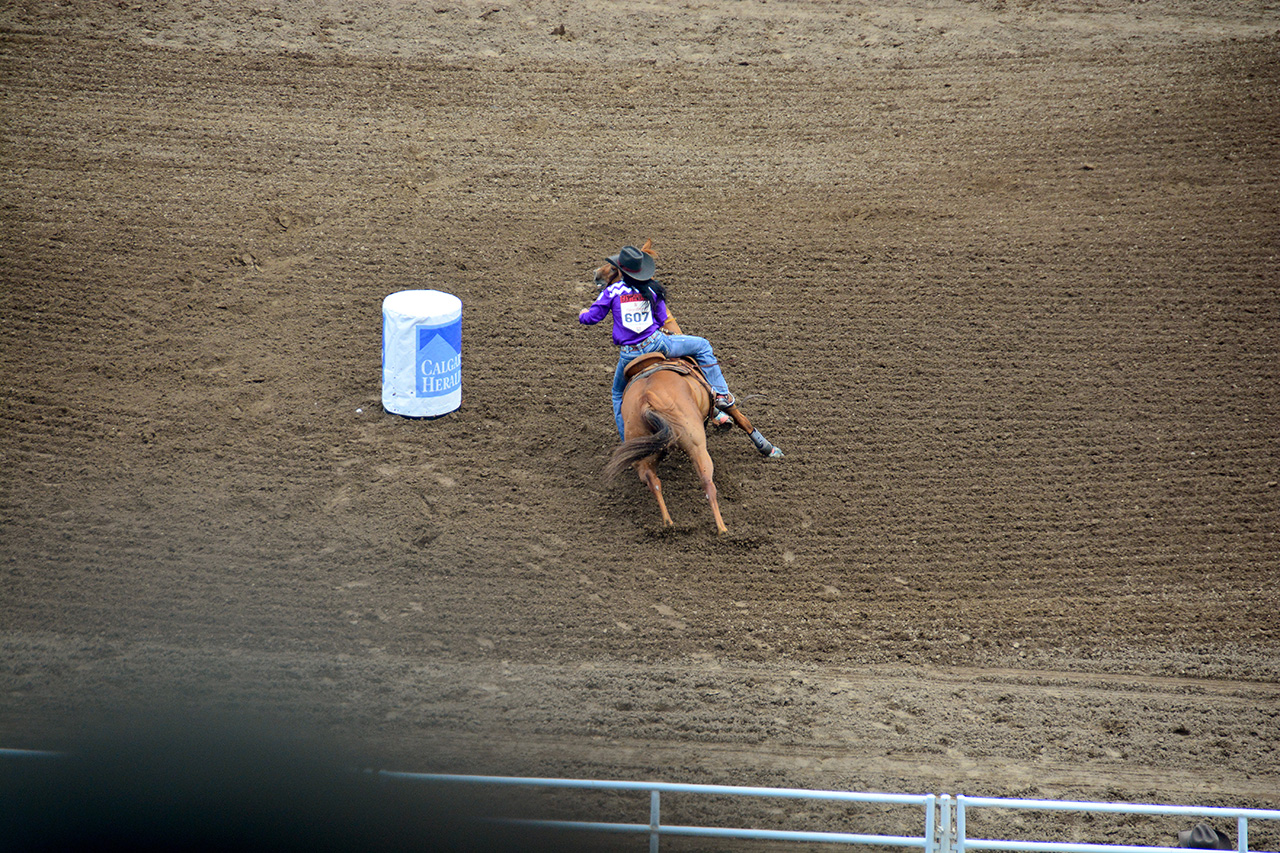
421 353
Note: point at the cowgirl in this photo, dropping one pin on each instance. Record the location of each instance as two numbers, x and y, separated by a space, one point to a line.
638 303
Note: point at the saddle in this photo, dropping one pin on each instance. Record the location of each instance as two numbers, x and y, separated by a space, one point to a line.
652 362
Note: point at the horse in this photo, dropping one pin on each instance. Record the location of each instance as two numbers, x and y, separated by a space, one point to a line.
666 404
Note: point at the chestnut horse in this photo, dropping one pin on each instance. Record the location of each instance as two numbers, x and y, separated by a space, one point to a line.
665 406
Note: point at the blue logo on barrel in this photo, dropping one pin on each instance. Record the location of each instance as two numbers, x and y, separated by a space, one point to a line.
439 360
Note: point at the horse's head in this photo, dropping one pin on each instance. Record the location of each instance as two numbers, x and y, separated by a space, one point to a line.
608 273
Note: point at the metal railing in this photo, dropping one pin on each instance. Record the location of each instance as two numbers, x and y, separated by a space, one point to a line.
655 828
963 805
945 818
28 753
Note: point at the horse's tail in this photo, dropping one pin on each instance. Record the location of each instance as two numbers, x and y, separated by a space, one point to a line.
634 449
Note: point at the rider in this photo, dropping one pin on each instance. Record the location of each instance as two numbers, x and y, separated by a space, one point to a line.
638 303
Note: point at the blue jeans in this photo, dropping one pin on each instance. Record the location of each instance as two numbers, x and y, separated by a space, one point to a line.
672 346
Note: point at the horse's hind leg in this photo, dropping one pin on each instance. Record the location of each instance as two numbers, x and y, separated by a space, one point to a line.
648 471
705 468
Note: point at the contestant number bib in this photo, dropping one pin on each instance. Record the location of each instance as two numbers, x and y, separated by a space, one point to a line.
637 313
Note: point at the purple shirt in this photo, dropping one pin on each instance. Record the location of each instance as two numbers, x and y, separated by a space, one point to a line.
634 319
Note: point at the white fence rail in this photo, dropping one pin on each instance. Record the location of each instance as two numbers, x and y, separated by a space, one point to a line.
655 829
944 819
964 805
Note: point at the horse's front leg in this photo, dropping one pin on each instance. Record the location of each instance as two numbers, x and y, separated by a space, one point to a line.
648 471
762 444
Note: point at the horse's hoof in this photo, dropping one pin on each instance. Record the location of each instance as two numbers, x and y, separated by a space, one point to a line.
775 453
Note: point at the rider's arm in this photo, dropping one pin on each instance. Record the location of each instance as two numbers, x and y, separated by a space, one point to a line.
596 311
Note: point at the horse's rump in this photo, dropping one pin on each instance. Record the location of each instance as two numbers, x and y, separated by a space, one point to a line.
663 408
659 440
663 405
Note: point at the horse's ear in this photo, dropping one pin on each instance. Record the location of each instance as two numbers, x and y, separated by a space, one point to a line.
647 248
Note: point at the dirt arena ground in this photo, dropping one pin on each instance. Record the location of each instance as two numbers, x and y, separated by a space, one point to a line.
1002 279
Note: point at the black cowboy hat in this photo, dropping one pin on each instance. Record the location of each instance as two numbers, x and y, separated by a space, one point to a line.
1204 837
634 263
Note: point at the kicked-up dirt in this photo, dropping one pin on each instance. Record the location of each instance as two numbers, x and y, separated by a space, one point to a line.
1002 280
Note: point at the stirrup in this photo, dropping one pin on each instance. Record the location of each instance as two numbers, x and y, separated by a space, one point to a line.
724 401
